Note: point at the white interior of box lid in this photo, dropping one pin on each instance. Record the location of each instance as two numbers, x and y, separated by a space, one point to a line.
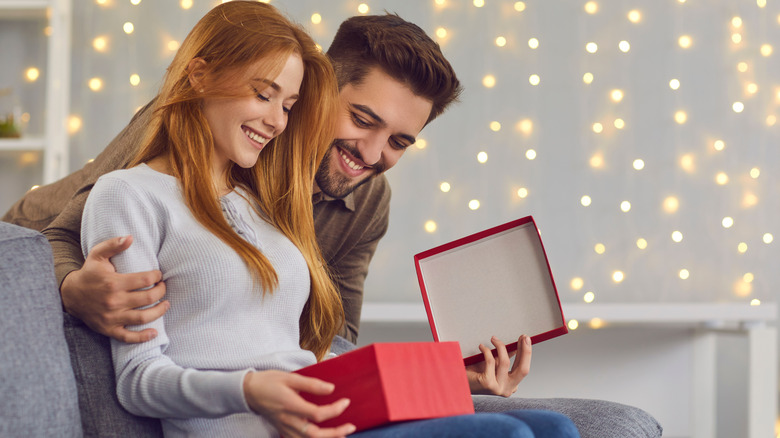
499 285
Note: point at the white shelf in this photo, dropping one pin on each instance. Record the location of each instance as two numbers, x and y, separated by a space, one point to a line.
22 144
54 141
713 314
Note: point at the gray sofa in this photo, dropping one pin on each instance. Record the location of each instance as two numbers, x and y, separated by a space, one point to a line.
57 380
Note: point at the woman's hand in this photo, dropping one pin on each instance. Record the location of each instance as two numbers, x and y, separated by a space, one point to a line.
493 376
274 395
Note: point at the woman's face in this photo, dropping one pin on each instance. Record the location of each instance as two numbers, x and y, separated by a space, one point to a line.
243 126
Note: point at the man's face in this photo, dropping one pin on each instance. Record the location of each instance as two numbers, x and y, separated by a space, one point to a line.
378 120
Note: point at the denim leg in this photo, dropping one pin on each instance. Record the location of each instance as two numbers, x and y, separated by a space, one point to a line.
546 424
463 426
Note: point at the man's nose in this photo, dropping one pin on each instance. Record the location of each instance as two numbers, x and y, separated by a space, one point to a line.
371 150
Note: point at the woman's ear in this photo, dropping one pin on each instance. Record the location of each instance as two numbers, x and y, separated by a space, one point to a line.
196 73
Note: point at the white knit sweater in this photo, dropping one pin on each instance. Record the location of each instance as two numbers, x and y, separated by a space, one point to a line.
220 324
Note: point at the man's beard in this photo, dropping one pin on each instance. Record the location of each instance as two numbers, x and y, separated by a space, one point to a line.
334 184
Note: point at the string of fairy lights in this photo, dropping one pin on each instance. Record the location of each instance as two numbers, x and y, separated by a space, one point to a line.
745 51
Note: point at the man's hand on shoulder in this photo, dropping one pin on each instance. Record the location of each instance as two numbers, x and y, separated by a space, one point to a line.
108 301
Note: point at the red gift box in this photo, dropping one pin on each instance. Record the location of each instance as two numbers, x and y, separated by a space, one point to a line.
389 382
496 282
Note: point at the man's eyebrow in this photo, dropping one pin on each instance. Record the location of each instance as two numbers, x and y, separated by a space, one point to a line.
275 86
369 112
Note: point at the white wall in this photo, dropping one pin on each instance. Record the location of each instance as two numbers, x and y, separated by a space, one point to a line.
571 159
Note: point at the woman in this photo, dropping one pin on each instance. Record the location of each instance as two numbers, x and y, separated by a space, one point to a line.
219 200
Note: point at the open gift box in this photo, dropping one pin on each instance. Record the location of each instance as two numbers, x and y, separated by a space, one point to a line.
496 282
390 382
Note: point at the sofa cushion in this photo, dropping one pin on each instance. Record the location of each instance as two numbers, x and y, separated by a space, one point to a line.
36 381
102 415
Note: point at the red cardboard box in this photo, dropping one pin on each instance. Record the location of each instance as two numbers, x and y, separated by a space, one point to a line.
388 382
496 282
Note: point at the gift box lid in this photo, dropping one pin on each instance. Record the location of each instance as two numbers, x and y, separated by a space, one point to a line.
496 282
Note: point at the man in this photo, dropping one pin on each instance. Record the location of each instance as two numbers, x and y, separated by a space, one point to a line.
393 81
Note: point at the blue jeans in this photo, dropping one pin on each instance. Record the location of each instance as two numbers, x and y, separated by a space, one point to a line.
510 424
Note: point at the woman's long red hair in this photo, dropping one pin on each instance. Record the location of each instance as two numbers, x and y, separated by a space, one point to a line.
232 39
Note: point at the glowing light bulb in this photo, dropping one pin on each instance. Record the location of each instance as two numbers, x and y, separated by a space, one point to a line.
439 2
619 123
530 154
768 238
680 117
719 145
771 120
316 18
599 248
597 161
591 7
500 41
722 179
749 200
625 206
591 47
135 2
100 44
495 126
748 277
616 95
489 81
736 38
671 204
441 32
577 283
624 46
674 84
641 243
738 107
596 323
430 226
519 6
727 222
482 157
522 193
742 67
32 74
533 43
573 324
421 143
74 124
585 201
128 27
736 22
95 84
588 297
766 50
687 163
135 80
684 274
618 276
598 128
587 78
761 3
755 302
677 236
755 172
685 41
479 3
525 126
185 4
363 8
742 247
445 187
634 16
639 164
534 79
474 204
173 45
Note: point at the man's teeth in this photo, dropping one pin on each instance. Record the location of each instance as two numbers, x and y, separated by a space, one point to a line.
254 136
352 165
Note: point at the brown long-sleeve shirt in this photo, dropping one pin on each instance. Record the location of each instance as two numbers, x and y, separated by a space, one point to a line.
348 230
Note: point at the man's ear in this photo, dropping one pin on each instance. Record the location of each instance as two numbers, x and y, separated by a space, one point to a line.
196 73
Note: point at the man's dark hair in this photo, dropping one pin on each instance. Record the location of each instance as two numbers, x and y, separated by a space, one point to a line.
402 50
